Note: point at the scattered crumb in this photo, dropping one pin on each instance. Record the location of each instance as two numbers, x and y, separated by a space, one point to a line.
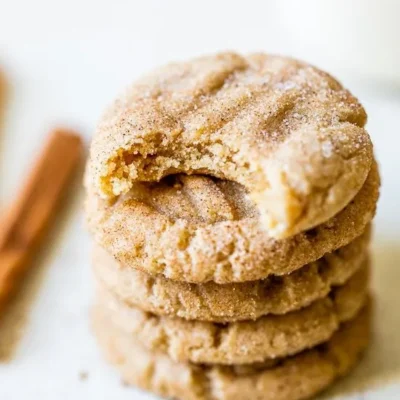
83 375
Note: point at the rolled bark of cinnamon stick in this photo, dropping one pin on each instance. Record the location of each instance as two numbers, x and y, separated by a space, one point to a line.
23 225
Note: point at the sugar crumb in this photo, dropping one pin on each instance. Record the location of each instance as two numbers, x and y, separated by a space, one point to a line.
83 375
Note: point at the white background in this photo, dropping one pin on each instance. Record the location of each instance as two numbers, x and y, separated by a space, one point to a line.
65 61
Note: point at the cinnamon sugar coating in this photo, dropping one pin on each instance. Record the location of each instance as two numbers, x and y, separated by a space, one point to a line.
244 342
233 301
286 131
294 378
199 229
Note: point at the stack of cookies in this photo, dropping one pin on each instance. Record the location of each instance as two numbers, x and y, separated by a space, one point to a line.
230 199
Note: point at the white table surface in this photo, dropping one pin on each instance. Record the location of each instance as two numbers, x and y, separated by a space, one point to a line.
65 62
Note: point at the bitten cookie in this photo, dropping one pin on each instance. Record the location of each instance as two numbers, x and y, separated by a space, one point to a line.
286 131
199 229
243 342
294 378
232 301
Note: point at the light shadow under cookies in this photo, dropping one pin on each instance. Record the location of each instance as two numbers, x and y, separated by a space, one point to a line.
381 364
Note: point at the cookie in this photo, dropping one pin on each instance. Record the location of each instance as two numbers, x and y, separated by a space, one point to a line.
286 131
294 378
181 228
234 301
240 342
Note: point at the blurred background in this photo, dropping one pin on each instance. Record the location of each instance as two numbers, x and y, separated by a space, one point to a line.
63 62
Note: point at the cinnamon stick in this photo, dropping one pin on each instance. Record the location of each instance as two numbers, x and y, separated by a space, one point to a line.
23 225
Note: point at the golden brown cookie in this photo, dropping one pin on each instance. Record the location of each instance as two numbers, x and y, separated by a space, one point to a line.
286 131
200 229
294 378
232 301
242 342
